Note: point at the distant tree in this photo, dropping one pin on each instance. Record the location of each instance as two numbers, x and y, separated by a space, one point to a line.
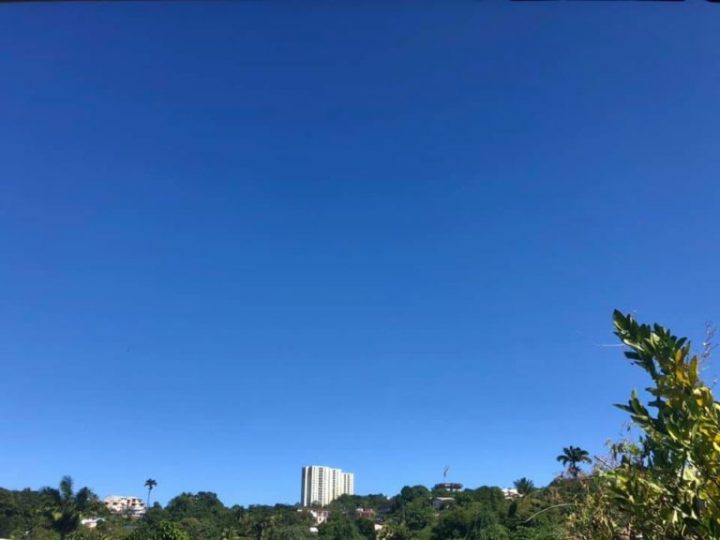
201 505
155 514
83 533
164 530
339 527
289 532
524 486
413 507
418 514
202 515
41 533
21 514
64 507
464 522
410 493
494 532
571 457
492 498
344 504
366 528
392 531
150 485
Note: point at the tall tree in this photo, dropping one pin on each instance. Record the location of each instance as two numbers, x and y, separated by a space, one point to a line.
65 507
150 485
524 486
571 457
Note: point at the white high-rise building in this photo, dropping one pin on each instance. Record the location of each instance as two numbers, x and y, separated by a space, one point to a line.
320 485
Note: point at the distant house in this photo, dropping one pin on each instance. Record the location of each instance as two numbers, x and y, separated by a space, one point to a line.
90 523
133 507
511 493
438 503
363 513
448 486
319 515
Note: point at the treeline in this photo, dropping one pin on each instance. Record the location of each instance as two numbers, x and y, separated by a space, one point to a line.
661 485
415 513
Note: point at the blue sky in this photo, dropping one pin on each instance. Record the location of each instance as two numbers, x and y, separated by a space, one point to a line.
241 237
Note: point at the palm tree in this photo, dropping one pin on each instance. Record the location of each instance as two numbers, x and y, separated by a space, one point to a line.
524 486
150 484
571 457
64 506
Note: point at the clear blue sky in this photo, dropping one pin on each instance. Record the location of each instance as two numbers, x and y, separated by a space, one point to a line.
240 237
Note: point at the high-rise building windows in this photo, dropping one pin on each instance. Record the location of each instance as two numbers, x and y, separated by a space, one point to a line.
321 485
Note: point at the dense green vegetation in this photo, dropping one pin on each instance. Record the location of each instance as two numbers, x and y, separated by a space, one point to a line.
665 484
661 485
482 513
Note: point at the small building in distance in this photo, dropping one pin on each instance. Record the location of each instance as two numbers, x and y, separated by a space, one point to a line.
451 487
365 513
133 507
440 503
91 523
443 492
319 515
